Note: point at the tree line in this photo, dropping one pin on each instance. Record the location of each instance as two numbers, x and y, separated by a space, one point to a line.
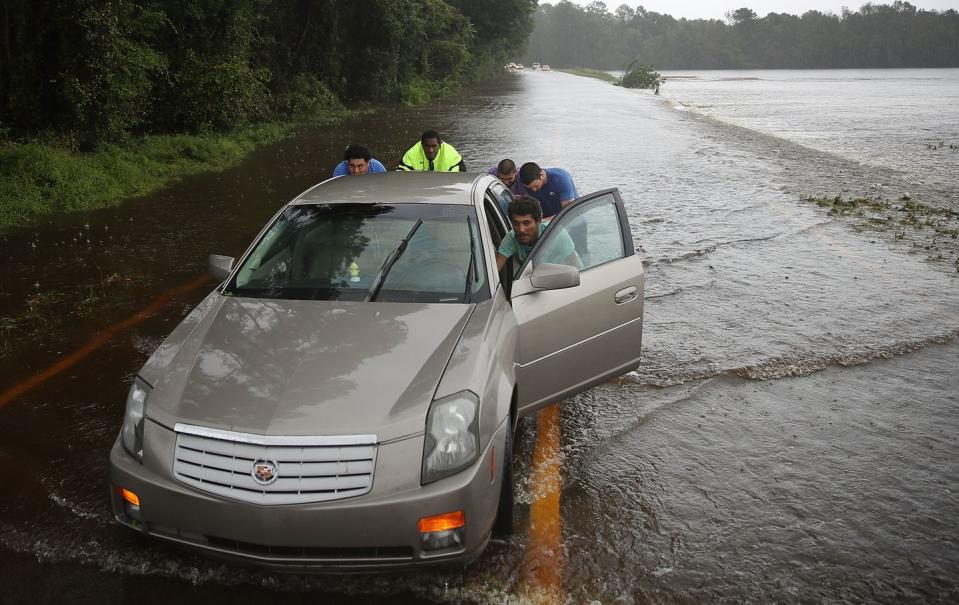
92 71
877 35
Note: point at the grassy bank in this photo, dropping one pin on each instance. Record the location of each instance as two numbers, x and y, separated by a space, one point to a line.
591 73
38 180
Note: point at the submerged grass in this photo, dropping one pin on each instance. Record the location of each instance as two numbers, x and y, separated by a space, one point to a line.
929 229
45 309
942 145
591 73
839 206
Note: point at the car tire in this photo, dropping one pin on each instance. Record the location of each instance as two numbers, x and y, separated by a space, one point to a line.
503 526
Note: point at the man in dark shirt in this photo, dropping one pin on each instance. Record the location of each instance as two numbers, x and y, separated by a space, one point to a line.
506 172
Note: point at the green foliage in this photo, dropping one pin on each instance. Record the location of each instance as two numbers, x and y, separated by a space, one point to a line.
306 98
447 58
741 15
220 95
501 29
641 76
96 71
417 91
111 77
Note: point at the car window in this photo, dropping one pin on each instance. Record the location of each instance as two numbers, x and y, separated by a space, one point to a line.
503 197
382 252
497 227
588 236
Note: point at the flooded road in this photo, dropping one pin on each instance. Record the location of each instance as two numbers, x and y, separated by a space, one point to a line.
790 436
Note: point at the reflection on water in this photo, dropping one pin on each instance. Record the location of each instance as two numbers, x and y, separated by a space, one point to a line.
789 436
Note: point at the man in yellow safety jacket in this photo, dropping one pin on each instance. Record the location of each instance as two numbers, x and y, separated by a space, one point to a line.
431 153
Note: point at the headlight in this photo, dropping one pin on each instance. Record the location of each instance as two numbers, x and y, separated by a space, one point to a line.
452 436
132 432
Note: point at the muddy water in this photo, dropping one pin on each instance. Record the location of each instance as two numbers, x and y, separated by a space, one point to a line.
790 436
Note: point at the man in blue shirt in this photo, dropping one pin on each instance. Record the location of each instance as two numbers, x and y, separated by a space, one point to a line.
527 218
357 160
553 187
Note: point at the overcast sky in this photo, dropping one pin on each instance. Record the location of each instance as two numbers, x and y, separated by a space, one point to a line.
710 9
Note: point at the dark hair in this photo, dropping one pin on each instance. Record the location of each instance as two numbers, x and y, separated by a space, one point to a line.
529 172
356 152
525 205
506 166
430 134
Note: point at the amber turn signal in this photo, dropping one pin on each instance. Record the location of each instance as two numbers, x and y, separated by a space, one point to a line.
443 522
130 497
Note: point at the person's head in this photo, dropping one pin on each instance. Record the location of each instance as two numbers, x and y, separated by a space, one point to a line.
532 176
506 172
431 144
526 214
357 159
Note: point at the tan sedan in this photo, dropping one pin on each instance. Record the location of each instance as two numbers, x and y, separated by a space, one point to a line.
346 398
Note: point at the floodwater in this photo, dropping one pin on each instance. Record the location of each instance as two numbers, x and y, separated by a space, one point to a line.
790 436
901 120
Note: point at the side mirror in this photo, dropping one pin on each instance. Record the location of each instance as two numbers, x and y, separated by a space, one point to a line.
548 276
219 267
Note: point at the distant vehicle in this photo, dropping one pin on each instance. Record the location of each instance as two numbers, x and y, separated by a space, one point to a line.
346 398
546 67
536 65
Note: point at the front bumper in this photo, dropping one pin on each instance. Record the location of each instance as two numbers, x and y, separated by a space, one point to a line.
377 531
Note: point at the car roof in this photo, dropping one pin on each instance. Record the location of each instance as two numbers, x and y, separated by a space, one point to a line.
394 188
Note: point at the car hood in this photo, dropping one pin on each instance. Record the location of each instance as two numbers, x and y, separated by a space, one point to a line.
307 367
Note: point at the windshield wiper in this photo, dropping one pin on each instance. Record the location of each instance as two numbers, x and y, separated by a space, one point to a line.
389 262
471 268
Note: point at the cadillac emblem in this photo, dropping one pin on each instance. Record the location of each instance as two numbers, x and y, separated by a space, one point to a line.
265 472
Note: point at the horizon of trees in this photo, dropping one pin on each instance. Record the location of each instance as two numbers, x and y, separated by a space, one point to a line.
87 72
877 35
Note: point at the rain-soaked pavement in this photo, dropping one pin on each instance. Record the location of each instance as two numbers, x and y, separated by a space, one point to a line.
790 436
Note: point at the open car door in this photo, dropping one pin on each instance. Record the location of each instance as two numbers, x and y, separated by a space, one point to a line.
578 301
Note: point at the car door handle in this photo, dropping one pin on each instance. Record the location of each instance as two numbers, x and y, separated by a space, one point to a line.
625 295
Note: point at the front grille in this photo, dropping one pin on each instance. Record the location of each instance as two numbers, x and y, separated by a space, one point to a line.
308 469
309 552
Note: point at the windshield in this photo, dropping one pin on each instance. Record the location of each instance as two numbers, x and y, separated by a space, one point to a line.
381 252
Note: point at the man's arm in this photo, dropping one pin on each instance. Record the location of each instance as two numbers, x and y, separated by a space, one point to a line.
566 190
500 262
506 249
563 251
454 157
573 260
408 162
